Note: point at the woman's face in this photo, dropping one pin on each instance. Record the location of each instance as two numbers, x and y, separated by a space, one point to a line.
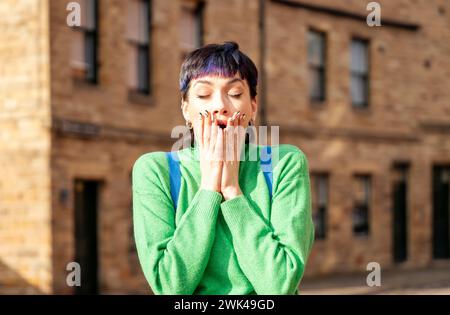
221 97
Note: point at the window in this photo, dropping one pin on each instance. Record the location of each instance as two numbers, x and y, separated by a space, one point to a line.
400 211
320 204
361 205
441 211
359 68
138 34
191 26
316 62
84 43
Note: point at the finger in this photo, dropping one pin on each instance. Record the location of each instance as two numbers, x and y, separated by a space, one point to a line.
236 120
218 148
199 130
206 129
213 139
236 136
228 139
240 134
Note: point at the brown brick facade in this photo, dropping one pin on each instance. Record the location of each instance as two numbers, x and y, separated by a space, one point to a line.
55 130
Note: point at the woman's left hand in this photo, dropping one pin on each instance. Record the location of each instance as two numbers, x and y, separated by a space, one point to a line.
234 137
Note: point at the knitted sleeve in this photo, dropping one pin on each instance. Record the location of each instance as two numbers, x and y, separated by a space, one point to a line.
173 258
273 253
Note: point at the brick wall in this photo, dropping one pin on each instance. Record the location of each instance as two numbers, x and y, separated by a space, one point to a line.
407 121
25 226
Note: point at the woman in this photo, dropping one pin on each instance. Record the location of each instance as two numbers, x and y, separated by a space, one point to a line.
227 228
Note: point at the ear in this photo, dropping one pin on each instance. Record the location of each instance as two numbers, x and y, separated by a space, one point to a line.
185 109
255 105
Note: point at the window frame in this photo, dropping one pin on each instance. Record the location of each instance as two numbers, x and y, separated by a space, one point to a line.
143 87
91 75
321 69
362 76
317 213
198 9
363 207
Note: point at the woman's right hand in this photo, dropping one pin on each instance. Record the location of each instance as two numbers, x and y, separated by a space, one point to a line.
210 142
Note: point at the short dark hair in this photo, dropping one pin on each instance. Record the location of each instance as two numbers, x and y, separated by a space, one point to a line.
223 60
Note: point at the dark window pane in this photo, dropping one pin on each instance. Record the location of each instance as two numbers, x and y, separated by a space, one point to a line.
316 84
322 191
359 57
143 71
400 212
191 26
359 67
360 220
358 90
316 48
84 44
144 20
91 7
316 61
320 204
139 15
320 223
360 214
90 50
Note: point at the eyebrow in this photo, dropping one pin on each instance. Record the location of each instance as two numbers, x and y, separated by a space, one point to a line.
228 83
234 80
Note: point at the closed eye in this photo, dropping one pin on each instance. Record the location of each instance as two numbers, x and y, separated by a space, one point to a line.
236 95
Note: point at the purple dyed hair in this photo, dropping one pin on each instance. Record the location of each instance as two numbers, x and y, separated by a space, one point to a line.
224 60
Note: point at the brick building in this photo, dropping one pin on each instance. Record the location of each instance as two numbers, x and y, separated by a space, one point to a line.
370 107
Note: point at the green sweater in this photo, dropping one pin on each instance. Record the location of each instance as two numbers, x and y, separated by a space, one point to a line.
243 245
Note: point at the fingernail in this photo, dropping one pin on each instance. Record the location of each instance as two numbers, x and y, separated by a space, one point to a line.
243 116
201 116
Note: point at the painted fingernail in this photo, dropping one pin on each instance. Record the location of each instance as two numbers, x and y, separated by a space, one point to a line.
201 116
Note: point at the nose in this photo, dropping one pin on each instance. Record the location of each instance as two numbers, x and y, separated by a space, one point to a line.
222 112
219 106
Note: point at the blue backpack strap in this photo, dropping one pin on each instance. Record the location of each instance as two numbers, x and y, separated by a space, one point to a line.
266 166
175 176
